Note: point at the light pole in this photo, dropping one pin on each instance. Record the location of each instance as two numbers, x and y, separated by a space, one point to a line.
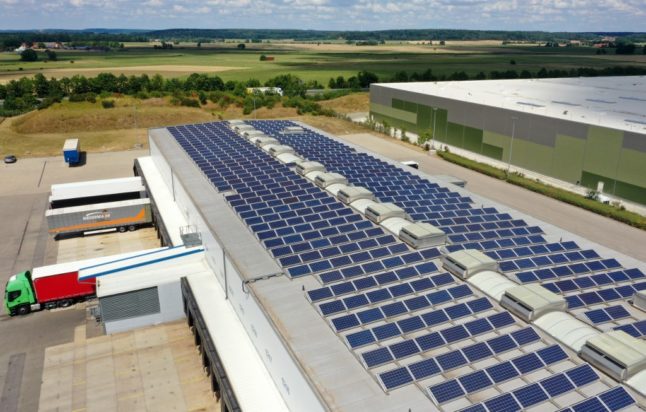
511 146
254 107
434 122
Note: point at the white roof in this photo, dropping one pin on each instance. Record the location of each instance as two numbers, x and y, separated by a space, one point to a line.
254 388
71 144
152 275
567 329
168 209
618 102
156 258
96 188
67 267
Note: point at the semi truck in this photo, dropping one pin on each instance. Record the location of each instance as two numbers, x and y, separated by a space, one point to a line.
122 215
55 286
72 152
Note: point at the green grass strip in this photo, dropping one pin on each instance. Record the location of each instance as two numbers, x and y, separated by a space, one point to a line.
624 216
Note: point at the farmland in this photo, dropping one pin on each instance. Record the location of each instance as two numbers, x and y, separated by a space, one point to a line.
312 61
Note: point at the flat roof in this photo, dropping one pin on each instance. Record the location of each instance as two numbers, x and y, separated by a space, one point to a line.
337 370
617 102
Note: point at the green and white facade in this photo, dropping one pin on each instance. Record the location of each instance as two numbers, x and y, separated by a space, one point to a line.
582 130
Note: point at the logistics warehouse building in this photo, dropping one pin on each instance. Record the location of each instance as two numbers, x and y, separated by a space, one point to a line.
329 289
585 130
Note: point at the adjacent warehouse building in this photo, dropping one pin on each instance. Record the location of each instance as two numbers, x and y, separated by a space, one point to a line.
328 287
579 130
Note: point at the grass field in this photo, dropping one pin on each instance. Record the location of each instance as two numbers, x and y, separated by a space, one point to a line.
42 132
311 61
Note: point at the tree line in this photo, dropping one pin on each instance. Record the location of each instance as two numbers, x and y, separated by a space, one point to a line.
39 92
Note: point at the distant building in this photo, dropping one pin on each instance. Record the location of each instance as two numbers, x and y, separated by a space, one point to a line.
578 130
265 90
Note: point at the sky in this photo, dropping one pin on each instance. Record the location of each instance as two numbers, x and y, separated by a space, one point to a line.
547 15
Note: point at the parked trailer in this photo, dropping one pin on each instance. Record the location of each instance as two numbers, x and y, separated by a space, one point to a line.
54 286
72 151
123 215
96 191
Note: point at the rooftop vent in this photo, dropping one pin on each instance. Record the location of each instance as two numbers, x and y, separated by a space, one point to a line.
263 141
420 235
324 180
349 194
532 301
307 166
616 353
379 212
253 133
465 263
288 158
639 300
240 128
292 130
276 149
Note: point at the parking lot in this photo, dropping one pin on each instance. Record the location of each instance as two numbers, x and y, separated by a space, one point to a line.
26 244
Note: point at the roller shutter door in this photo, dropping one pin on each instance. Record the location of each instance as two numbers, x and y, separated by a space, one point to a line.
130 304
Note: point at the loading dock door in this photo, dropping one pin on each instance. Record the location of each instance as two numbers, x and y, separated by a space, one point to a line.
129 304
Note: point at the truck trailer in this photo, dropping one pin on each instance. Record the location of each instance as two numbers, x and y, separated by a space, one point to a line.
55 286
96 191
72 152
123 215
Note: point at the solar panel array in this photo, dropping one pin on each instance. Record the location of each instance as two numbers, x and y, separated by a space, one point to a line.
408 322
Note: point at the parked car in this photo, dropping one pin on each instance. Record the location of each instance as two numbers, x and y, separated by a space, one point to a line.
10 159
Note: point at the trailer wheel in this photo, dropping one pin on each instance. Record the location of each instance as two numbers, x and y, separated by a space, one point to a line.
122 229
24 309
64 303
132 228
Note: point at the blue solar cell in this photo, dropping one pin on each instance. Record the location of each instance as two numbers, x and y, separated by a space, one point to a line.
461 291
345 322
446 391
616 398
416 303
557 385
457 311
342 288
377 357
502 319
617 312
329 308
589 405
370 315
430 341
501 343
552 354
582 375
404 349
530 395
364 283
455 333
411 324
360 338
477 352
435 317
378 295
386 331
451 360
438 297
598 316
478 326
527 363
319 294
502 372
442 279
394 309
424 369
475 381
503 403
419 285
479 305
395 378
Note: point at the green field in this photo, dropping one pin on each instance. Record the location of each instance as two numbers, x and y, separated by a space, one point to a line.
312 61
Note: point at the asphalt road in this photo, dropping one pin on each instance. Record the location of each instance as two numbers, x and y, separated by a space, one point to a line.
25 244
607 232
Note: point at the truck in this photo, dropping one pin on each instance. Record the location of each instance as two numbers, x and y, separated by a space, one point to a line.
122 215
72 152
55 286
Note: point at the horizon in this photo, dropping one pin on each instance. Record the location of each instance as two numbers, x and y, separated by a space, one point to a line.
577 16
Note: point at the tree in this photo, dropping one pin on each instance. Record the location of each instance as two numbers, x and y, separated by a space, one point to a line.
51 55
241 46
29 55
512 62
263 57
41 86
367 78
199 44
625 48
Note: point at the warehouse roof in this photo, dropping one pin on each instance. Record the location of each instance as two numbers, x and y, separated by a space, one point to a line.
615 102
373 323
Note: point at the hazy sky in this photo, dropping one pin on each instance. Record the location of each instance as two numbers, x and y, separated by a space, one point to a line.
551 15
